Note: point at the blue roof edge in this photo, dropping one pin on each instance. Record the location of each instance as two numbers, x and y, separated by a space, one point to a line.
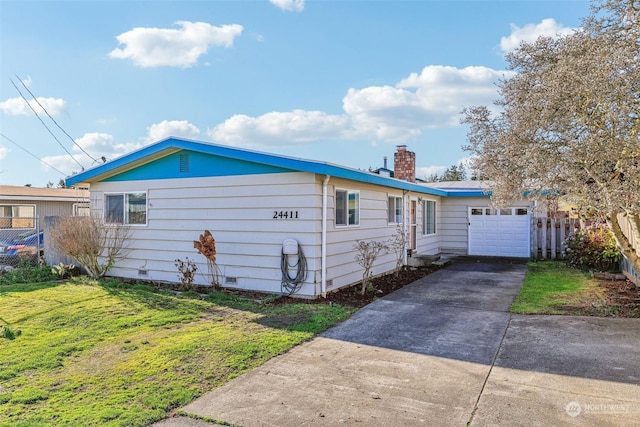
173 144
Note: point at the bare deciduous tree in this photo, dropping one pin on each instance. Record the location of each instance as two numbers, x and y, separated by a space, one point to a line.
90 242
398 244
367 254
570 120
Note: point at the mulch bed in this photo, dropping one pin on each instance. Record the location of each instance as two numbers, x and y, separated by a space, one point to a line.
350 296
380 286
620 298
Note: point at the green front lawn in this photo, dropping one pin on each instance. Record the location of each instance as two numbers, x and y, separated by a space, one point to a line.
91 354
552 284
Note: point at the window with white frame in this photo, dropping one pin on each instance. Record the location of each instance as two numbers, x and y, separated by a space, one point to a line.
126 208
429 217
347 207
17 216
395 209
81 209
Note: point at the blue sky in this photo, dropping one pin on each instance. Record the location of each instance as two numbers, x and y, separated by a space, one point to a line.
337 81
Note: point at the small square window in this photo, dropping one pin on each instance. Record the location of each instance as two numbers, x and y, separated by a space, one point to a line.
347 207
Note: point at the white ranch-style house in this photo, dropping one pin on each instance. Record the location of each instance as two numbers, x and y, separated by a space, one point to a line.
279 219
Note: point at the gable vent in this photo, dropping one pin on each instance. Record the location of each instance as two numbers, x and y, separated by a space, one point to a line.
184 162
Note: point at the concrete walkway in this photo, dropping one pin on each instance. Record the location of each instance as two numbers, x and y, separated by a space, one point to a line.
444 351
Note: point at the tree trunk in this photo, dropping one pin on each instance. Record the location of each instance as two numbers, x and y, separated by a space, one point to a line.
623 241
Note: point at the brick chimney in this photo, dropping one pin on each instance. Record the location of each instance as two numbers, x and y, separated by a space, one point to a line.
404 164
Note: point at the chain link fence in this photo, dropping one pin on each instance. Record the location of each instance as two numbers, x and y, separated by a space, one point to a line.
21 242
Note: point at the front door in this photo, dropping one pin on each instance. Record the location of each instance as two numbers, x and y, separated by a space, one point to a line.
412 226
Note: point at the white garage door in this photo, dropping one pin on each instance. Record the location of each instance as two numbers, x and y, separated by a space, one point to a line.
499 232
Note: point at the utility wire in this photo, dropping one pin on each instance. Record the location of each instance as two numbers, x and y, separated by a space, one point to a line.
31 154
55 122
45 125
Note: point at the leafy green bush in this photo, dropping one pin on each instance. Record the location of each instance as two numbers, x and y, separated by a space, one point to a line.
594 248
27 274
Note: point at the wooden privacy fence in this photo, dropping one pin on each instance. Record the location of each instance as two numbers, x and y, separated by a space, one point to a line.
549 234
626 266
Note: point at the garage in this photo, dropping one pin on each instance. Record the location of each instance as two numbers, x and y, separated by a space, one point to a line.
500 232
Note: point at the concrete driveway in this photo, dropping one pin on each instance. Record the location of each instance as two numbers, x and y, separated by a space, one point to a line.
444 351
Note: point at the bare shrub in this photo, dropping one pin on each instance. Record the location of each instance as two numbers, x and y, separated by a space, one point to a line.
90 242
187 270
398 244
367 254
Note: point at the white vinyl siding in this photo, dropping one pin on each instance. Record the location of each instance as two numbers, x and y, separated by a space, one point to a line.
242 213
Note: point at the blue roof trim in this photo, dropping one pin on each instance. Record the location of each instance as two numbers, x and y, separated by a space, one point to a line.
126 165
468 193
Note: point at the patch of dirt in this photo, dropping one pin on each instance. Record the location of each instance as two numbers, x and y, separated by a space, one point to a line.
350 295
612 298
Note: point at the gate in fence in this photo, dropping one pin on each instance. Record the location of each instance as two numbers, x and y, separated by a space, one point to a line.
549 235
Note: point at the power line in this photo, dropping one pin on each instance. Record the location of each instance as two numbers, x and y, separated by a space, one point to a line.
55 122
31 154
45 125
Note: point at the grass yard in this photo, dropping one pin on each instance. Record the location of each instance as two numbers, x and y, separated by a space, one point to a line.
549 285
91 354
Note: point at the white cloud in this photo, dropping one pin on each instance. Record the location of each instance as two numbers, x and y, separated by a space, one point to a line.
167 128
98 145
4 151
432 98
289 5
280 128
530 32
19 107
426 172
27 81
157 47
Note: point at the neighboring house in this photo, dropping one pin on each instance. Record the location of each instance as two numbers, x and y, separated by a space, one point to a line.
24 214
25 208
252 202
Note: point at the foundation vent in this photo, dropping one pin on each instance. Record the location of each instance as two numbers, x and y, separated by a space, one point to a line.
230 280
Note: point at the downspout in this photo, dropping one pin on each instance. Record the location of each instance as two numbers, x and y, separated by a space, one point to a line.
406 224
323 244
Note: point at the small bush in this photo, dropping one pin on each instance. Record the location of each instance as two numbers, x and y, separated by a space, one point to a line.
593 248
9 333
27 274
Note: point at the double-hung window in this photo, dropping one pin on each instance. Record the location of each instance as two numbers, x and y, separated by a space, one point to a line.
126 208
17 216
395 210
347 207
429 217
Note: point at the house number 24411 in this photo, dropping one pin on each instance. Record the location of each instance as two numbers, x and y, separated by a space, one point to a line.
285 214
